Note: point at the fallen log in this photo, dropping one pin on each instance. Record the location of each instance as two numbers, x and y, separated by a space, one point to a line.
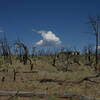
70 81
88 78
21 94
60 82
80 97
41 95
14 96
35 71
51 80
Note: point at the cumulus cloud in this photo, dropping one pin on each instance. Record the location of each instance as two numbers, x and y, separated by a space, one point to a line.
48 39
99 47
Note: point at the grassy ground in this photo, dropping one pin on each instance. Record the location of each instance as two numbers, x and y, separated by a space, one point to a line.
46 70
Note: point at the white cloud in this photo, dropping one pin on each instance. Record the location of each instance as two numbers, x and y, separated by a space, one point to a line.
99 47
39 43
49 39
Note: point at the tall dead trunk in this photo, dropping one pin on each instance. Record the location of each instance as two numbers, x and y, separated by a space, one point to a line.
94 23
96 45
25 55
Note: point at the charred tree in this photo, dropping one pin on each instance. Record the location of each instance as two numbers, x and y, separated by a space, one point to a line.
95 24
24 56
5 49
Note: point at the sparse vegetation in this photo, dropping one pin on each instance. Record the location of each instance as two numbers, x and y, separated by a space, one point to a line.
67 76
49 70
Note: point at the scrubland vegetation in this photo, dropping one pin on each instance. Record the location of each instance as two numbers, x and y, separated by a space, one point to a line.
57 73
52 74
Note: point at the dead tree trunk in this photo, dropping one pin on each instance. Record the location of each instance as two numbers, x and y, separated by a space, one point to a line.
94 23
25 55
96 45
14 75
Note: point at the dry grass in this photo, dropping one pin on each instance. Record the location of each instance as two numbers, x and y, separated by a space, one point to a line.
44 65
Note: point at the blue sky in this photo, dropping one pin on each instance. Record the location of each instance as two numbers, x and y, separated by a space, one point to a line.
66 18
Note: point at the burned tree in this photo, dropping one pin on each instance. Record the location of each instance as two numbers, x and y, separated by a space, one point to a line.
5 49
33 51
23 53
23 48
95 24
85 51
88 52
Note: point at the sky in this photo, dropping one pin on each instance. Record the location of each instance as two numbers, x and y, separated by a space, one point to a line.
66 19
